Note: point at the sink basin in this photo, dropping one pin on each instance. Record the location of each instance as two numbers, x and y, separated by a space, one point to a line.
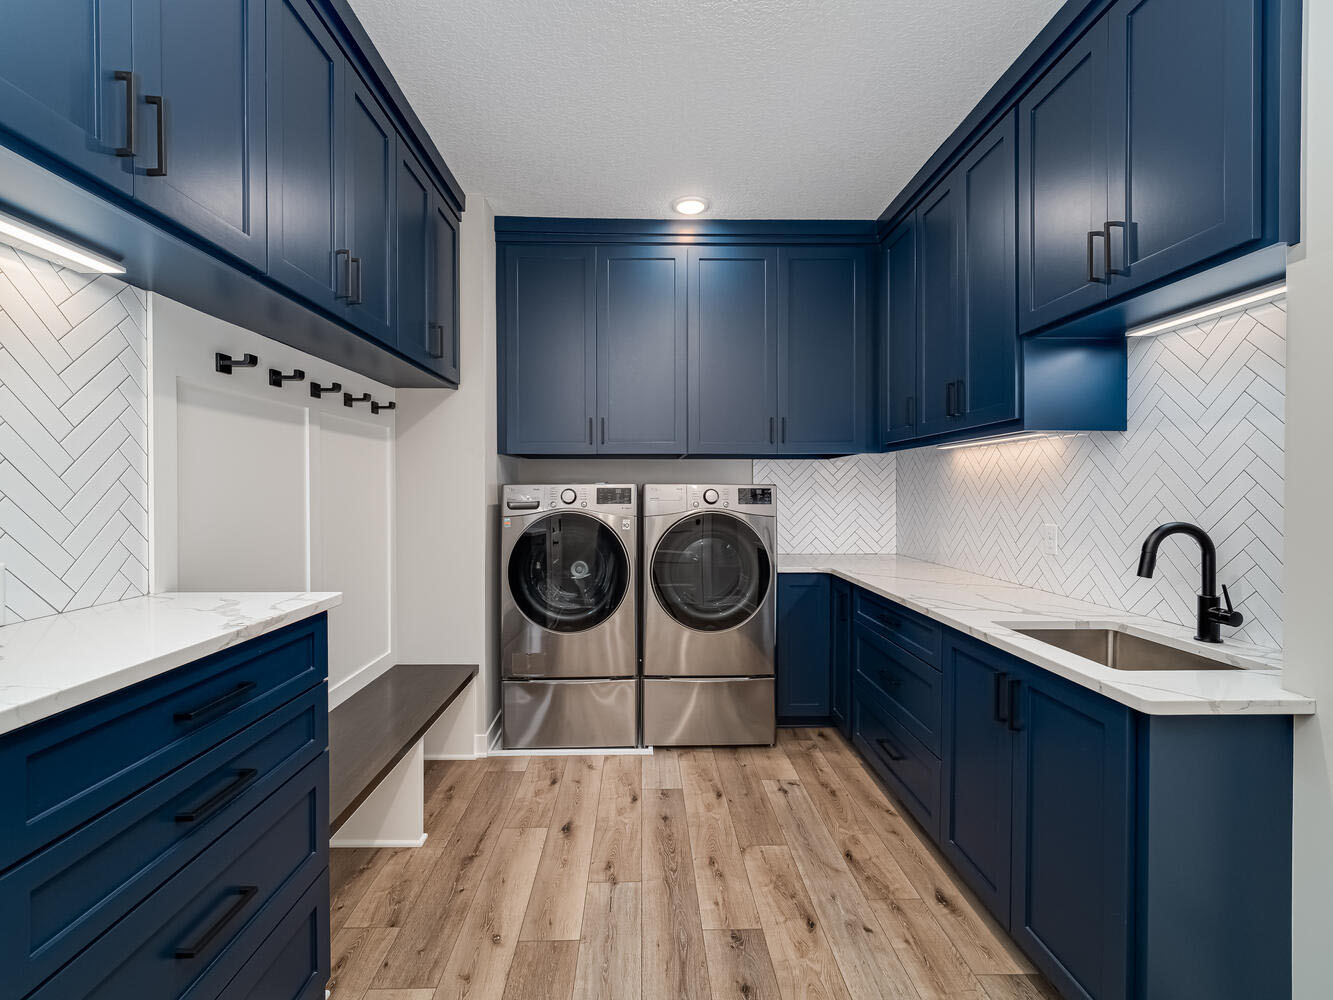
1121 650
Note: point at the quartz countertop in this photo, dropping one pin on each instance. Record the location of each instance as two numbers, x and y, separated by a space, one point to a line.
991 609
50 664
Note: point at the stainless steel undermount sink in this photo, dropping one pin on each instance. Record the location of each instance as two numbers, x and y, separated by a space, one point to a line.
1122 650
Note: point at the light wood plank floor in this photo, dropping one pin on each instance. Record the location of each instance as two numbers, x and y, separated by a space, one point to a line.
783 873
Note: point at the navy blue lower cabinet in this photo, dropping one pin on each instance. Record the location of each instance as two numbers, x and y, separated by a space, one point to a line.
976 810
841 705
910 770
804 687
1072 834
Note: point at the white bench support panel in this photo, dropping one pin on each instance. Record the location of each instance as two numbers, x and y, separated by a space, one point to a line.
393 815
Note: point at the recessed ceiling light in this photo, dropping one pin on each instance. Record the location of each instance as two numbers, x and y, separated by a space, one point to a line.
691 205
43 244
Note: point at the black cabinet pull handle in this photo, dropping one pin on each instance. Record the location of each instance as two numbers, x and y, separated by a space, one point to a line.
317 390
223 797
376 407
888 621
602 420
1124 247
1015 723
911 411
960 398
354 294
891 683
349 400
127 78
784 430
890 751
772 438
224 363
217 704
342 277
950 399
435 340
276 378
590 438
1001 706
161 169
1092 264
244 894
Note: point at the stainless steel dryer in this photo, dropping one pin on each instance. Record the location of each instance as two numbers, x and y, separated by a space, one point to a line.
568 642
709 615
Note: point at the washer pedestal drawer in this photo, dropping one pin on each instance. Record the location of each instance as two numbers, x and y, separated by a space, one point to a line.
575 713
708 711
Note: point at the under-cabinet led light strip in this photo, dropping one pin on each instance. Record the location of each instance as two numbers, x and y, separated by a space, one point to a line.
1007 439
1220 308
53 248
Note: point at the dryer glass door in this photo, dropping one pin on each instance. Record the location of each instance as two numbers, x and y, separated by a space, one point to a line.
711 572
568 572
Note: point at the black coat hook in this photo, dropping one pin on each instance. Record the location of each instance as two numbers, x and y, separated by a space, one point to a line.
376 407
276 378
224 363
349 399
317 390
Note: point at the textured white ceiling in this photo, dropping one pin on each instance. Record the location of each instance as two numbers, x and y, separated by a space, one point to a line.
769 108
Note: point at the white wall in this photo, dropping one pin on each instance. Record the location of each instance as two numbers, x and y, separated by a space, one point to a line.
1309 652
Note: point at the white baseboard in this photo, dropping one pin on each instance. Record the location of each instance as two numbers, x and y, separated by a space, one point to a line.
454 756
576 752
351 842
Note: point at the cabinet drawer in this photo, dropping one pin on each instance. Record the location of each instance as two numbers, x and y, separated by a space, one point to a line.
899 757
57 774
179 938
59 901
918 635
911 689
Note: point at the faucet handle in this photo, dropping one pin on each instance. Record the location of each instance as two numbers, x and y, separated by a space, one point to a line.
1230 616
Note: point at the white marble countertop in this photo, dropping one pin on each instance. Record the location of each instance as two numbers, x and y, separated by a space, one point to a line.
990 610
50 664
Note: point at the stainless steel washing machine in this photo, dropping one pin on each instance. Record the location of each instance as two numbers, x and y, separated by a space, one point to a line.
568 638
709 614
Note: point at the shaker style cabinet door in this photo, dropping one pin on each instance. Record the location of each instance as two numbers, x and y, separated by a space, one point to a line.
443 348
549 331
898 312
66 83
1062 195
1186 138
733 356
940 356
804 684
641 350
371 152
823 355
306 72
201 132
413 249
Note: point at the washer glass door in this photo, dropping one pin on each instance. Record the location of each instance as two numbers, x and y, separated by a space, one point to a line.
711 572
568 572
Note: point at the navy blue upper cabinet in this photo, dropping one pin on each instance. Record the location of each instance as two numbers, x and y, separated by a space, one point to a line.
898 316
1186 134
306 75
413 249
823 355
443 347
1073 809
641 350
940 345
65 83
987 392
733 328
371 154
1063 176
200 119
804 685
549 324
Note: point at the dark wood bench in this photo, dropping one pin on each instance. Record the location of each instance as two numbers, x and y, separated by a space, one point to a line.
373 730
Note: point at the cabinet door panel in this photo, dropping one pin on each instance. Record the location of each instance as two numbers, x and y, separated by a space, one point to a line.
305 163
978 754
205 59
803 684
899 313
939 305
1072 822
989 391
58 90
733 299
1062 168
1187 133
413 239
641 350
550 344
371 153
822 350
444 350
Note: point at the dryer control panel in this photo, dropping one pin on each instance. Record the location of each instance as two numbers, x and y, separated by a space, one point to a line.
676 499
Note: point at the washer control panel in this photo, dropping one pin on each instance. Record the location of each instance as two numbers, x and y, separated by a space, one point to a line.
619 498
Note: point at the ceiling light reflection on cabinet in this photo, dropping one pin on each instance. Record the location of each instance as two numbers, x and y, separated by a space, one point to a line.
28 237
1220 308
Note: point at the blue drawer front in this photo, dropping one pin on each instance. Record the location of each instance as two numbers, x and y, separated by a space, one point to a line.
180 938
911 689
919 636
911 770
60 900
57 774
293 961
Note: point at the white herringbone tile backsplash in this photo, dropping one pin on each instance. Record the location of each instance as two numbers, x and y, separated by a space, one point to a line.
842 505
73 438
1204 444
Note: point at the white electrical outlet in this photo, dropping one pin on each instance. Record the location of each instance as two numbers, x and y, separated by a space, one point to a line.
1050 539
